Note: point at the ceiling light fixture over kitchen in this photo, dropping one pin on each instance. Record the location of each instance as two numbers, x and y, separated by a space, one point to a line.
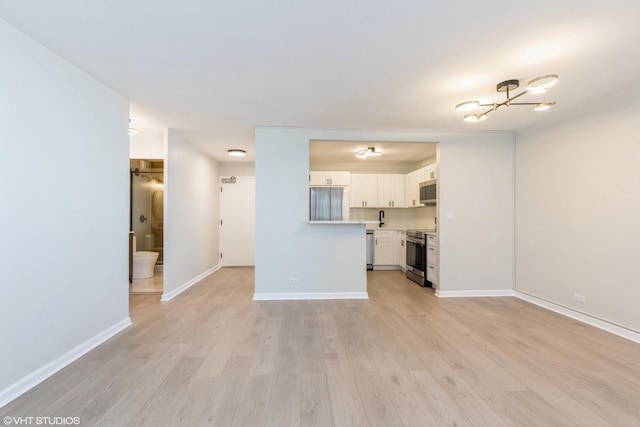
535 86
236 152
363 153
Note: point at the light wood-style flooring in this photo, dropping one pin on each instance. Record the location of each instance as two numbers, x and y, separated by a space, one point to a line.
212 356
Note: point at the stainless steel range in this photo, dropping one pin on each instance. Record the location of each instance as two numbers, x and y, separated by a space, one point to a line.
417 257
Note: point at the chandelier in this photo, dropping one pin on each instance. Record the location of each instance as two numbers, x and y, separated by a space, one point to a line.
535 86
363 153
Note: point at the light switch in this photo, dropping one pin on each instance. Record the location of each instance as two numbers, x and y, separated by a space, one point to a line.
451 216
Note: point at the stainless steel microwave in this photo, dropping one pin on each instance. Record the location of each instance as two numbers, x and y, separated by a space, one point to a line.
428 192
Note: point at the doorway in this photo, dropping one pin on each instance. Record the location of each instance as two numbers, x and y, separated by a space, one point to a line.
237 221
146 226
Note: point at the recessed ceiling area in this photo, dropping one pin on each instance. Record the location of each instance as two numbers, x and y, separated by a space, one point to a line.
397 157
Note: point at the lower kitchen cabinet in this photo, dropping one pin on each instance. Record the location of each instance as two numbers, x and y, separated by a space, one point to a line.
432 260
383 254
390 251
401 249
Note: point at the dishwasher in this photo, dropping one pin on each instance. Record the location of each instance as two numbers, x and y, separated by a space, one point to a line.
369 249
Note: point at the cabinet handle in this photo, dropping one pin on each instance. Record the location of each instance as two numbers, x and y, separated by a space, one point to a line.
431 267
365 203
431 249
376 242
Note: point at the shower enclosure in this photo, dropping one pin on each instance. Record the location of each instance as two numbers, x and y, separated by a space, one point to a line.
147 205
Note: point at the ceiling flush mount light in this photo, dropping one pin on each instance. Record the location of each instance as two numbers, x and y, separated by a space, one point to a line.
537 85
235 152
363 153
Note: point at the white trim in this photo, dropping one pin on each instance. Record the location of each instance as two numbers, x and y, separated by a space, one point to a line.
386 267
470 294
190 283
309 295
36 377
582 317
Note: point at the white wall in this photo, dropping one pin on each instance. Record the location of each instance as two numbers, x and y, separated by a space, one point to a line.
476 249
476 185
147 144
578 210
192 214
325 258
63 212
237 169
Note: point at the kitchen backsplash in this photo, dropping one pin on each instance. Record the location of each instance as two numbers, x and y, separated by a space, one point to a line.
418 218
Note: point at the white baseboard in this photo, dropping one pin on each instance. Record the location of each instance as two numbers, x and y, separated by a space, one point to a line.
468 294
386 267
190 283
585 318
309 295
33 379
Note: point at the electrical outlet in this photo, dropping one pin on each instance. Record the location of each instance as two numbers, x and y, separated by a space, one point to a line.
580 298
293 280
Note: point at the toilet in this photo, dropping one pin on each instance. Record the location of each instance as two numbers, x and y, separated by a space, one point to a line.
143 264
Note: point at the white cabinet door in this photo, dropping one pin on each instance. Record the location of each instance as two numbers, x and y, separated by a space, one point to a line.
383 252
364 190
318 178
430 172
412 189
391 191
340 178
401 249
329 178
432 259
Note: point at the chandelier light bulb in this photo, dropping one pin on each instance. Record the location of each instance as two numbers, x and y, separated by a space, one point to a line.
467 106
542 83
543 106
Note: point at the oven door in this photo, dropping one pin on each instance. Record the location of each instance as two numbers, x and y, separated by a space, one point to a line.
416 260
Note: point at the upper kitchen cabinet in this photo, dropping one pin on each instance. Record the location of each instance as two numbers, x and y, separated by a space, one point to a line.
342 179
430 172
364 190
391 191
412 182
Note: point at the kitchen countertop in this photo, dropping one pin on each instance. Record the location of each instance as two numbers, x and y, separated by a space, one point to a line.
375 227
370 225
342 222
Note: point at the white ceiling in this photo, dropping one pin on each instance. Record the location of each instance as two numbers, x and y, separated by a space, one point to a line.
217 69
343 152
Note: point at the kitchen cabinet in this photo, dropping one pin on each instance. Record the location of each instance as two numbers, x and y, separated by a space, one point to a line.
411 188
383 249
342 179
400 249
391 191
364 191
432 260
430 172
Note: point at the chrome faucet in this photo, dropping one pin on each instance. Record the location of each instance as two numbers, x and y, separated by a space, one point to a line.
380 216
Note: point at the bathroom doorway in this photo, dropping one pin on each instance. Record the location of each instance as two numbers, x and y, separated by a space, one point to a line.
146 226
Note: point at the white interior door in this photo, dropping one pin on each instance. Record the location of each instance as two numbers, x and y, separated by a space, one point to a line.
237 216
